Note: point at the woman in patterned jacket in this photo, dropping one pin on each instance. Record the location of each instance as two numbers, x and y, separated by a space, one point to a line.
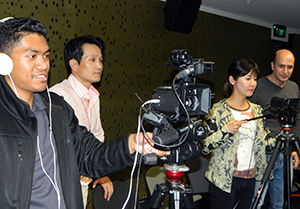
237 146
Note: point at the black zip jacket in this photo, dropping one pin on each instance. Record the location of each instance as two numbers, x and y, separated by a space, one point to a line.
79 152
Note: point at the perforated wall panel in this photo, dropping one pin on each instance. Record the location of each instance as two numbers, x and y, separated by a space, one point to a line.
137 47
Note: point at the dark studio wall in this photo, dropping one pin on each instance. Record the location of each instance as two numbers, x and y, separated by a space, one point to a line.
137 47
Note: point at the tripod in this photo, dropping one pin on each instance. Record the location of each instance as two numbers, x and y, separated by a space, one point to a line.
180 195
287 138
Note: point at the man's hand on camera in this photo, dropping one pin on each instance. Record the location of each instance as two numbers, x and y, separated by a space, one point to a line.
148 145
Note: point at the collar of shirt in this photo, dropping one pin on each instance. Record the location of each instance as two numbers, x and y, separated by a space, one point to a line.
80 89
38 104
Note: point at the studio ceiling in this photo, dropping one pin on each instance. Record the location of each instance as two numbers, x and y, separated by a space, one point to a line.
259 12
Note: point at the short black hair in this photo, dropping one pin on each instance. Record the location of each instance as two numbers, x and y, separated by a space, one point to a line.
14 29
73 49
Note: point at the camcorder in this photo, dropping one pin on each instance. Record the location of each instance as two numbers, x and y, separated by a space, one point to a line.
171 117
285 110
197 98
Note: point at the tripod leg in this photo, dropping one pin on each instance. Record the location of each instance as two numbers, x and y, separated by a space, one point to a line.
157 197
287 175
174 200
181 197
178 200
268 171
287 171
187 200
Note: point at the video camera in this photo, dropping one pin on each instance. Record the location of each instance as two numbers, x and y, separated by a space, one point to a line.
197 98
177 104
285 110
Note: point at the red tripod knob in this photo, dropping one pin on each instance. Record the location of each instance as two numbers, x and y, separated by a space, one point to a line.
174 175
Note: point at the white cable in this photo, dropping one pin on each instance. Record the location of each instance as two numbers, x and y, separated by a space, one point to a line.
5 19
151 101
51 142
136 154
54 183
134 165
50 110
12 82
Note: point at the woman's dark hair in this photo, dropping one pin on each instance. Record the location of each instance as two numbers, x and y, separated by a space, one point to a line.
73 49
239 68
14 29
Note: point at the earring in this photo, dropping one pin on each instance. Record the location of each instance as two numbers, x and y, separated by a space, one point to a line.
232 83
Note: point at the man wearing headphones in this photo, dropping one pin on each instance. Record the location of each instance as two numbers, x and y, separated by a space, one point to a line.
43 150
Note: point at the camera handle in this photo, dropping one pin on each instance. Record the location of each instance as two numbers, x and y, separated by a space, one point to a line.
287 138
180 195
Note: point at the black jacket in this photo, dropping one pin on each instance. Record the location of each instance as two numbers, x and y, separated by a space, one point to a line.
79 152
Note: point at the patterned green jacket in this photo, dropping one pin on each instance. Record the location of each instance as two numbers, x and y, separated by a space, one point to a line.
223 145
